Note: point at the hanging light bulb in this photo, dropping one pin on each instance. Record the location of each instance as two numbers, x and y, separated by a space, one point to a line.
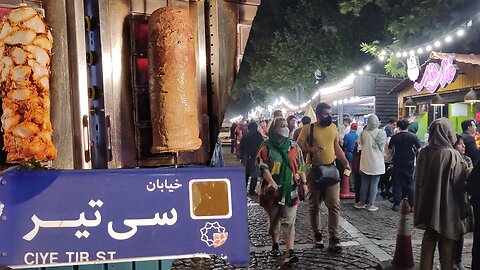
360 72
367 68
382 58
448 39
469 23
383 52
460 32
428 48
419 50
437 44
411 52
398 54
404 54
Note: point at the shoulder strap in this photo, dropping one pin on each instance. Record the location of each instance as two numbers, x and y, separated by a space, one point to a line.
310 138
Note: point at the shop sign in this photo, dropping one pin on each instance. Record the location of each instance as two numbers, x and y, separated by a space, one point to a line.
436 76
55 217
413 68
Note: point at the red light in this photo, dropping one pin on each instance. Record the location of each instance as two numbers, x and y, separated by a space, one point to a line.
141 67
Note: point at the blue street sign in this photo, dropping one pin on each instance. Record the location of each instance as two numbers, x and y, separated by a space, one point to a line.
55 217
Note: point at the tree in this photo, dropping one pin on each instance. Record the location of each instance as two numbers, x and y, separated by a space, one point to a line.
410 23
291 39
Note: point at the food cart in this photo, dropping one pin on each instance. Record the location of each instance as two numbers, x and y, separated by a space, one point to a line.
99 98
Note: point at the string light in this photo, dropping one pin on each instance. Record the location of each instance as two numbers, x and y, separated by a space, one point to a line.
382 56
448 37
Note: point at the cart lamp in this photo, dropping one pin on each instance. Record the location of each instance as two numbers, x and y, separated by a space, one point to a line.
410 103
472 96
437 100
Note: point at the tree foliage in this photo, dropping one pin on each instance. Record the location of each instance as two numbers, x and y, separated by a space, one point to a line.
291 39
410 23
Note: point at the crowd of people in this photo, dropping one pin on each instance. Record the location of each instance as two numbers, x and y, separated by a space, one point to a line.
440 179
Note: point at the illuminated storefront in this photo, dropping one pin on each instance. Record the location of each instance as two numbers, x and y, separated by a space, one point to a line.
446 85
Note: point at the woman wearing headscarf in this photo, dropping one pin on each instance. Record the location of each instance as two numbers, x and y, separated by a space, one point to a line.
440 184
283 173
372 140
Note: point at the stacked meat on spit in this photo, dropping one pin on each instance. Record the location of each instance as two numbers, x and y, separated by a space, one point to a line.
25 51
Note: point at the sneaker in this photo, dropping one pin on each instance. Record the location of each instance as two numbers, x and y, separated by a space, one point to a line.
275 250
318 240
372 208
290 257
396 207
359 205
334 245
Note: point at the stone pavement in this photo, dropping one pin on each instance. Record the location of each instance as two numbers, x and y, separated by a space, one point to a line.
367 237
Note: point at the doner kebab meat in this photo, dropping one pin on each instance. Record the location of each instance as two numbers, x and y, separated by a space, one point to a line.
25 52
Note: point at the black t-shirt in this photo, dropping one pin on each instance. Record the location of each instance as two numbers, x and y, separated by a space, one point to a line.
404 145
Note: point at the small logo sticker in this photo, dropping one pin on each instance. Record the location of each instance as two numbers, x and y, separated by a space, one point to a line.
213 234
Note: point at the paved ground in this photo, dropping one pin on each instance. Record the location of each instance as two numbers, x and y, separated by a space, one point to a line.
367 237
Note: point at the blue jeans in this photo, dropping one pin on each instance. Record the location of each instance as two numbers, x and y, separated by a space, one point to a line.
401 183
369 186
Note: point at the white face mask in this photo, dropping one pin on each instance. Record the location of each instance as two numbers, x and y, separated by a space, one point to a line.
284 132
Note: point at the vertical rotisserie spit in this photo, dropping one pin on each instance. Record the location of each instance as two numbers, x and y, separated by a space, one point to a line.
172 86
25 51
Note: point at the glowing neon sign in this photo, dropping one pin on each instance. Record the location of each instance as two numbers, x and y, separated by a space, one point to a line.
435 75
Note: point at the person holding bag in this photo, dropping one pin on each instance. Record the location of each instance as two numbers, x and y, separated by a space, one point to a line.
283 181
320 141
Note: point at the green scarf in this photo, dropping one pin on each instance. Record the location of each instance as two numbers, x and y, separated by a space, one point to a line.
281 146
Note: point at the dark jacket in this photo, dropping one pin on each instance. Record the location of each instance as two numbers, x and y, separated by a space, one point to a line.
473 185
471 149
249 146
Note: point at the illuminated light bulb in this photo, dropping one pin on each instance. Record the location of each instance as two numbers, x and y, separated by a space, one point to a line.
428 48
398 54
469 23
404 54
420 50
360 72
367 68
460 32
448 39
383 52
411 52
382 58
340 102
437 43
352 75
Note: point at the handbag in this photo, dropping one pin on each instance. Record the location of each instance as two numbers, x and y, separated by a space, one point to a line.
323 174
467 216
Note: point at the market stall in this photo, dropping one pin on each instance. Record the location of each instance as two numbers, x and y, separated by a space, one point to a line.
446 86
